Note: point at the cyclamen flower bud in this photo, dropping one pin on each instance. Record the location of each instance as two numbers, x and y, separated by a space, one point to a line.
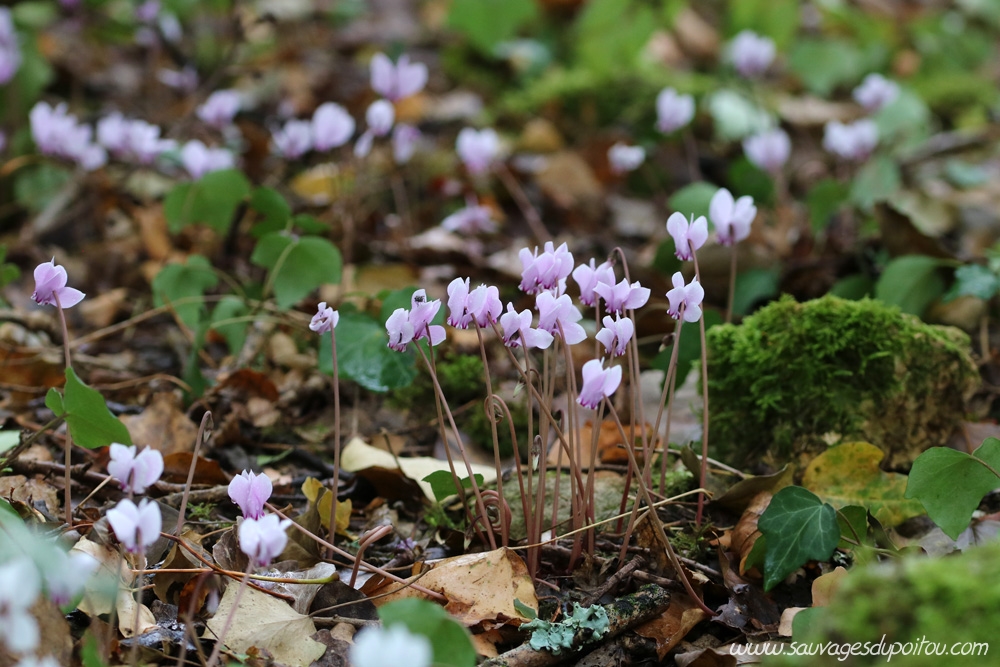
250 492
325 319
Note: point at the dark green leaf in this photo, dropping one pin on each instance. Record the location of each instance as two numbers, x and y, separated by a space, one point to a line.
748 179
823 200
799 527
443 484
273 209
911 282
875 182
212 201
90 422
854 287
824 64
235 333
35 187
297 265
364 356
488 22
754 286
449 640
950 484
184 286
611 34
693 199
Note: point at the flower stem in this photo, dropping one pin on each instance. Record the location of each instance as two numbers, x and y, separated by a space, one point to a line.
335 485
229 618
68 446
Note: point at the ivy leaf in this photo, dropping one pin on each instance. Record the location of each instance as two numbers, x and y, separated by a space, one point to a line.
211 200
693 199
298 265
799 527
87 416
183 286
450 641
950 484
486 23
443 485
273 209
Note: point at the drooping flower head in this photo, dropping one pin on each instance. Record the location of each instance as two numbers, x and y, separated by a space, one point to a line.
400 329
263 539
673 111
688 236
198 159
325 319
621 296
478 150
732 218
394 82
624 158
50 286
598 383
751 54
414 324
875 92
517 330
294 139
544 271
250 492
768 150
587 276
685 300
332 126
559 317
616 334
220 108
853 141
136 526
135 470
380 116
405 140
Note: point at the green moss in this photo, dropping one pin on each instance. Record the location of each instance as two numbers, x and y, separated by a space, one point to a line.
942 600
795 378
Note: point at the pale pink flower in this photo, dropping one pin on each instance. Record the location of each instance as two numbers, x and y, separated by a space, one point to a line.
379 116
875 92
400 329
470 219
685 300
394 82
588 276
198 159
673 111
263 539
66 574
294 139
220 108
688 236
598 383
51 289
404 325
547 270
478 150
559 317
624 158
853 141
136 527
517 330
616 334
405 139
621 296
135 470
325 319
10 50
332 126
768 150
250 492
751 54
732 218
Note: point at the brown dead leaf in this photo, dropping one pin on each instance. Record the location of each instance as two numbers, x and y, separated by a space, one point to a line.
206 471
479 587
103 309
824 586
153 232
29 491
787 618
609 445
670 627
695 34
569 181
163 425
707 657
246 383
745 533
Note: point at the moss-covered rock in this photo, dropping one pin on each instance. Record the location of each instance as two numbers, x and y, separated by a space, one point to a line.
948 602
795 378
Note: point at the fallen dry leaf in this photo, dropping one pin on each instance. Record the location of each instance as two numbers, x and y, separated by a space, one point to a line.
162 425
670 627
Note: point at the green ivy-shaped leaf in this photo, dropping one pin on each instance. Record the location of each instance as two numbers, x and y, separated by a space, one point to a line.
950 484
450 641
212 200
228 308
799 527
911 282
443 484
693 199
183 285
298 265
273 209
90 422
364 356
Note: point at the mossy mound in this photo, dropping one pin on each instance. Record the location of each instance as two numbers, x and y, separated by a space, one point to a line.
795 378
947 603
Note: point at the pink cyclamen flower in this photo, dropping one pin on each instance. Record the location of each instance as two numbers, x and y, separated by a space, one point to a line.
624 158
598 383
263 539
471 219
616 334
422 311
405 139
688 236
559 317
198 159
875 92
751 54
135 470
853 141
50 286
10 51
685 300
136 527
394 82
768 150
400 329
332 126
478 150
380 116
458 303
294 139
220 108
621 296
57 132
547 270
20 586
325 319
673 111
517 330
588 276
250 492
732 218
481 305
